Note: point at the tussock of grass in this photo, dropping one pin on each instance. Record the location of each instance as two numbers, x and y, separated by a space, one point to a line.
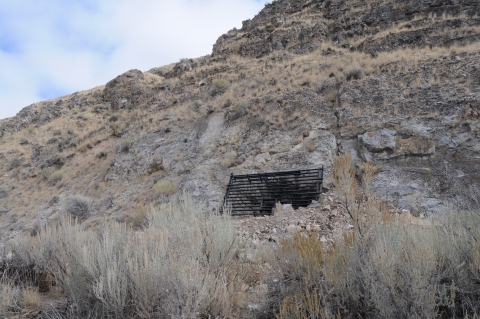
164 187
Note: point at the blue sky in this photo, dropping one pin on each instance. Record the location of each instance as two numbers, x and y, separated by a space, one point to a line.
49 48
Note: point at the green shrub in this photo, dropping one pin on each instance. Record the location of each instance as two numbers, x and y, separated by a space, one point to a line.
221 84
98 108
353 72
197 103
47 172
308 81
102 155
240 105
56 176
125 145
82 117
164 187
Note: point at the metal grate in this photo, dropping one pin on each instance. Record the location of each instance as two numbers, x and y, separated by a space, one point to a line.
257 194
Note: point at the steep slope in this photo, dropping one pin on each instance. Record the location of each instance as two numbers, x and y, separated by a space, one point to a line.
393 82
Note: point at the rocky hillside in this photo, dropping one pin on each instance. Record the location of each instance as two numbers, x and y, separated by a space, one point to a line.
394 82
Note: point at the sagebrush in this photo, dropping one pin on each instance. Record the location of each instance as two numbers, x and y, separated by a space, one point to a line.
185 263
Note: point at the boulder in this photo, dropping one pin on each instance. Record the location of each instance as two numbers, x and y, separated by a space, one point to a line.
127 90
379 141
416 146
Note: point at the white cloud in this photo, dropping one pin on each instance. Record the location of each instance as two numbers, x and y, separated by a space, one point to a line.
54 47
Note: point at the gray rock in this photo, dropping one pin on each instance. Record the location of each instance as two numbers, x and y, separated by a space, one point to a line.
379 141
416 146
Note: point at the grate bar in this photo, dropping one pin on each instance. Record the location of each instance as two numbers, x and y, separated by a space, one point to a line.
257 194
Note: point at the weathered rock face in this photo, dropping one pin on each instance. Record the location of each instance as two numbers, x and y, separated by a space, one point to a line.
127 90
379 141
300 26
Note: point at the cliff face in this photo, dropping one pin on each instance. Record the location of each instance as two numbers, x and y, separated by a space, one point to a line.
393 82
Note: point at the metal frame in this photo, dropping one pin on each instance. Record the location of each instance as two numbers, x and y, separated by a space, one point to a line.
257 194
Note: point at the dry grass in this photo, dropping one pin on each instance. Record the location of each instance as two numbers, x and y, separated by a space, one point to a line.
388 268
31 297
9 297
229 158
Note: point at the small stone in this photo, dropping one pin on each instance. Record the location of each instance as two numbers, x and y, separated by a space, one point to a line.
323 239
349 226
326 208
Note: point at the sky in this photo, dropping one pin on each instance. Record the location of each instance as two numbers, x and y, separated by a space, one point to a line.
50 48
